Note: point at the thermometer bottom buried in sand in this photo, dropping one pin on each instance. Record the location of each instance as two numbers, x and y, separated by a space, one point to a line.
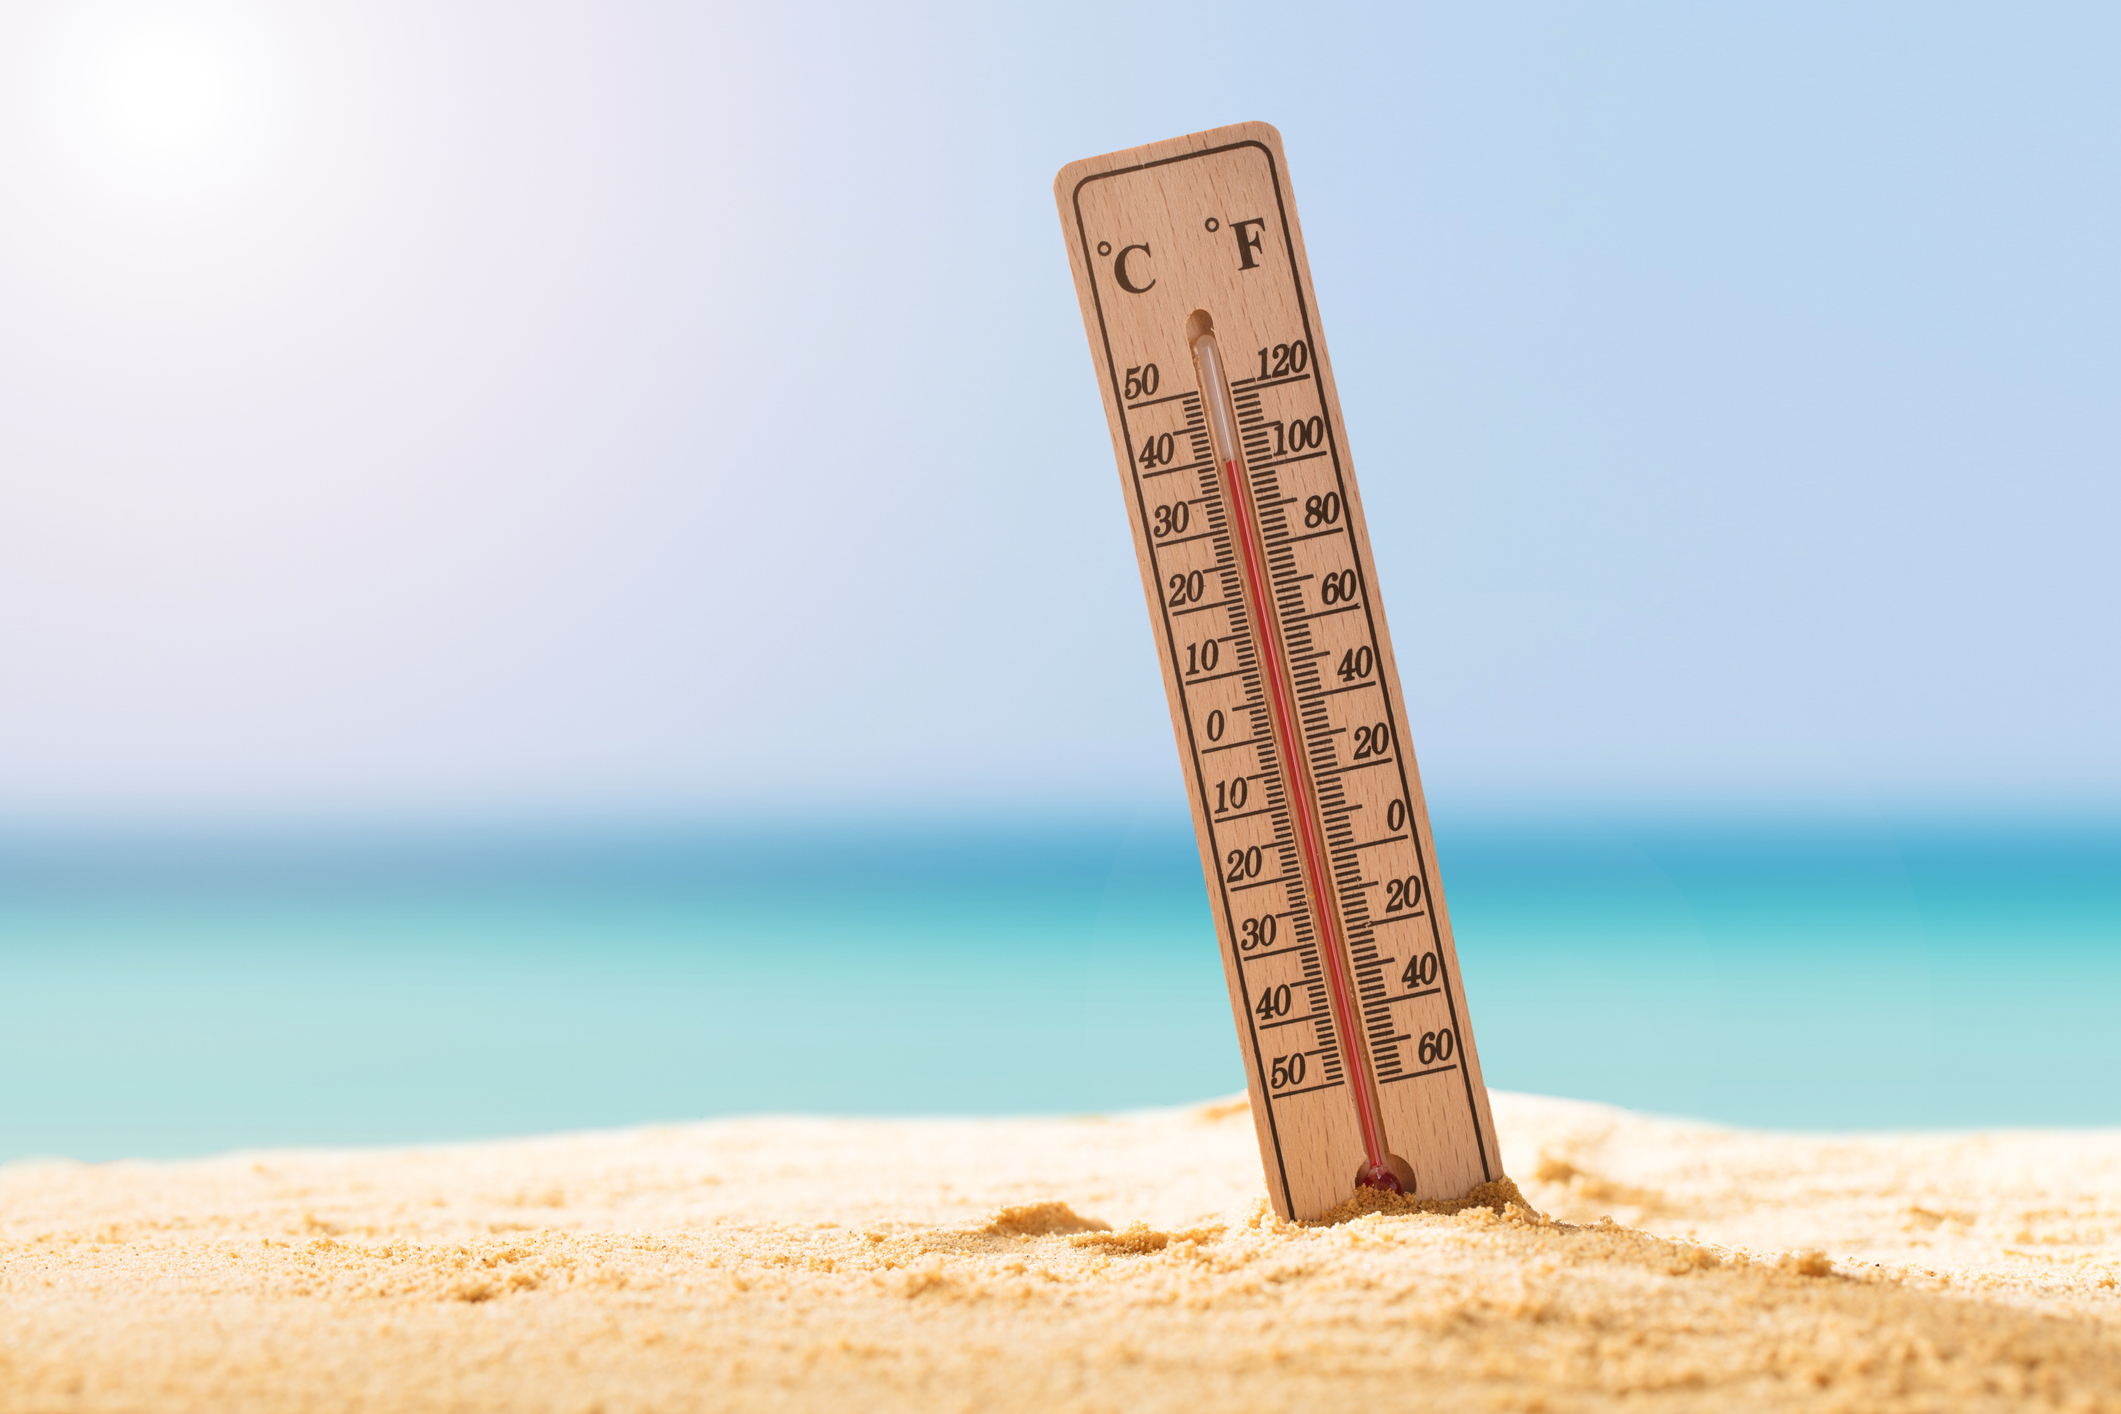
1229 460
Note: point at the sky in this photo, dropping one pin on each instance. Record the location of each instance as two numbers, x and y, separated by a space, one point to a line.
641 407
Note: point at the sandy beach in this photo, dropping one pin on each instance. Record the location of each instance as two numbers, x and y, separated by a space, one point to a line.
1122 1263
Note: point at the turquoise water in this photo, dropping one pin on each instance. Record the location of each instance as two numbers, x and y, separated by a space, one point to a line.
171 995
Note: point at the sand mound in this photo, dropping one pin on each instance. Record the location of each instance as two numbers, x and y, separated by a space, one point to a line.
735 1266
1040 1220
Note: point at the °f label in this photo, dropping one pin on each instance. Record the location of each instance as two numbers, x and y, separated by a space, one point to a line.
1284 691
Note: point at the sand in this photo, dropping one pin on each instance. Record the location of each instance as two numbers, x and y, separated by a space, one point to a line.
1125 1263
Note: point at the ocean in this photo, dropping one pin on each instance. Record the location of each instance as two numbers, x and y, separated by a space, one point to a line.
187 993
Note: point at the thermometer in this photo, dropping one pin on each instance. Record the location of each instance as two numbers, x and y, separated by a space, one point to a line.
1284 692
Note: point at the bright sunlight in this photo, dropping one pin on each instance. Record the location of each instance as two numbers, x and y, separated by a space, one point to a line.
170 100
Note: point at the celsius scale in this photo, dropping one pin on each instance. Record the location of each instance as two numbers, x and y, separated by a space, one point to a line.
1284 692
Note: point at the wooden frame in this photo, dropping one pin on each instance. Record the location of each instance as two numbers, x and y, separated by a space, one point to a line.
1342 972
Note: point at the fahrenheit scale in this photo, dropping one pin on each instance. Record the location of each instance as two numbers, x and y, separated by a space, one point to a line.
1284 691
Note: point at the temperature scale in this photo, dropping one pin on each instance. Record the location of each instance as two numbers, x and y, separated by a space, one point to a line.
1284 692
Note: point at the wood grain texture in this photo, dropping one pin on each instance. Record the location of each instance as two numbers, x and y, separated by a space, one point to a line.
1206 225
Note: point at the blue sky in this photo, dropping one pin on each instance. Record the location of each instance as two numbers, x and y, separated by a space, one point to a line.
644 407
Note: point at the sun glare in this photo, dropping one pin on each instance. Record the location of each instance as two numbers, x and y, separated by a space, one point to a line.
171 101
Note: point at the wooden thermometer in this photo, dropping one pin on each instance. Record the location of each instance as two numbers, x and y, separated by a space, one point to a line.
1284 692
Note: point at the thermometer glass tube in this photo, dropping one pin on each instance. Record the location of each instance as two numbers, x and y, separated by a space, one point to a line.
1229 458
